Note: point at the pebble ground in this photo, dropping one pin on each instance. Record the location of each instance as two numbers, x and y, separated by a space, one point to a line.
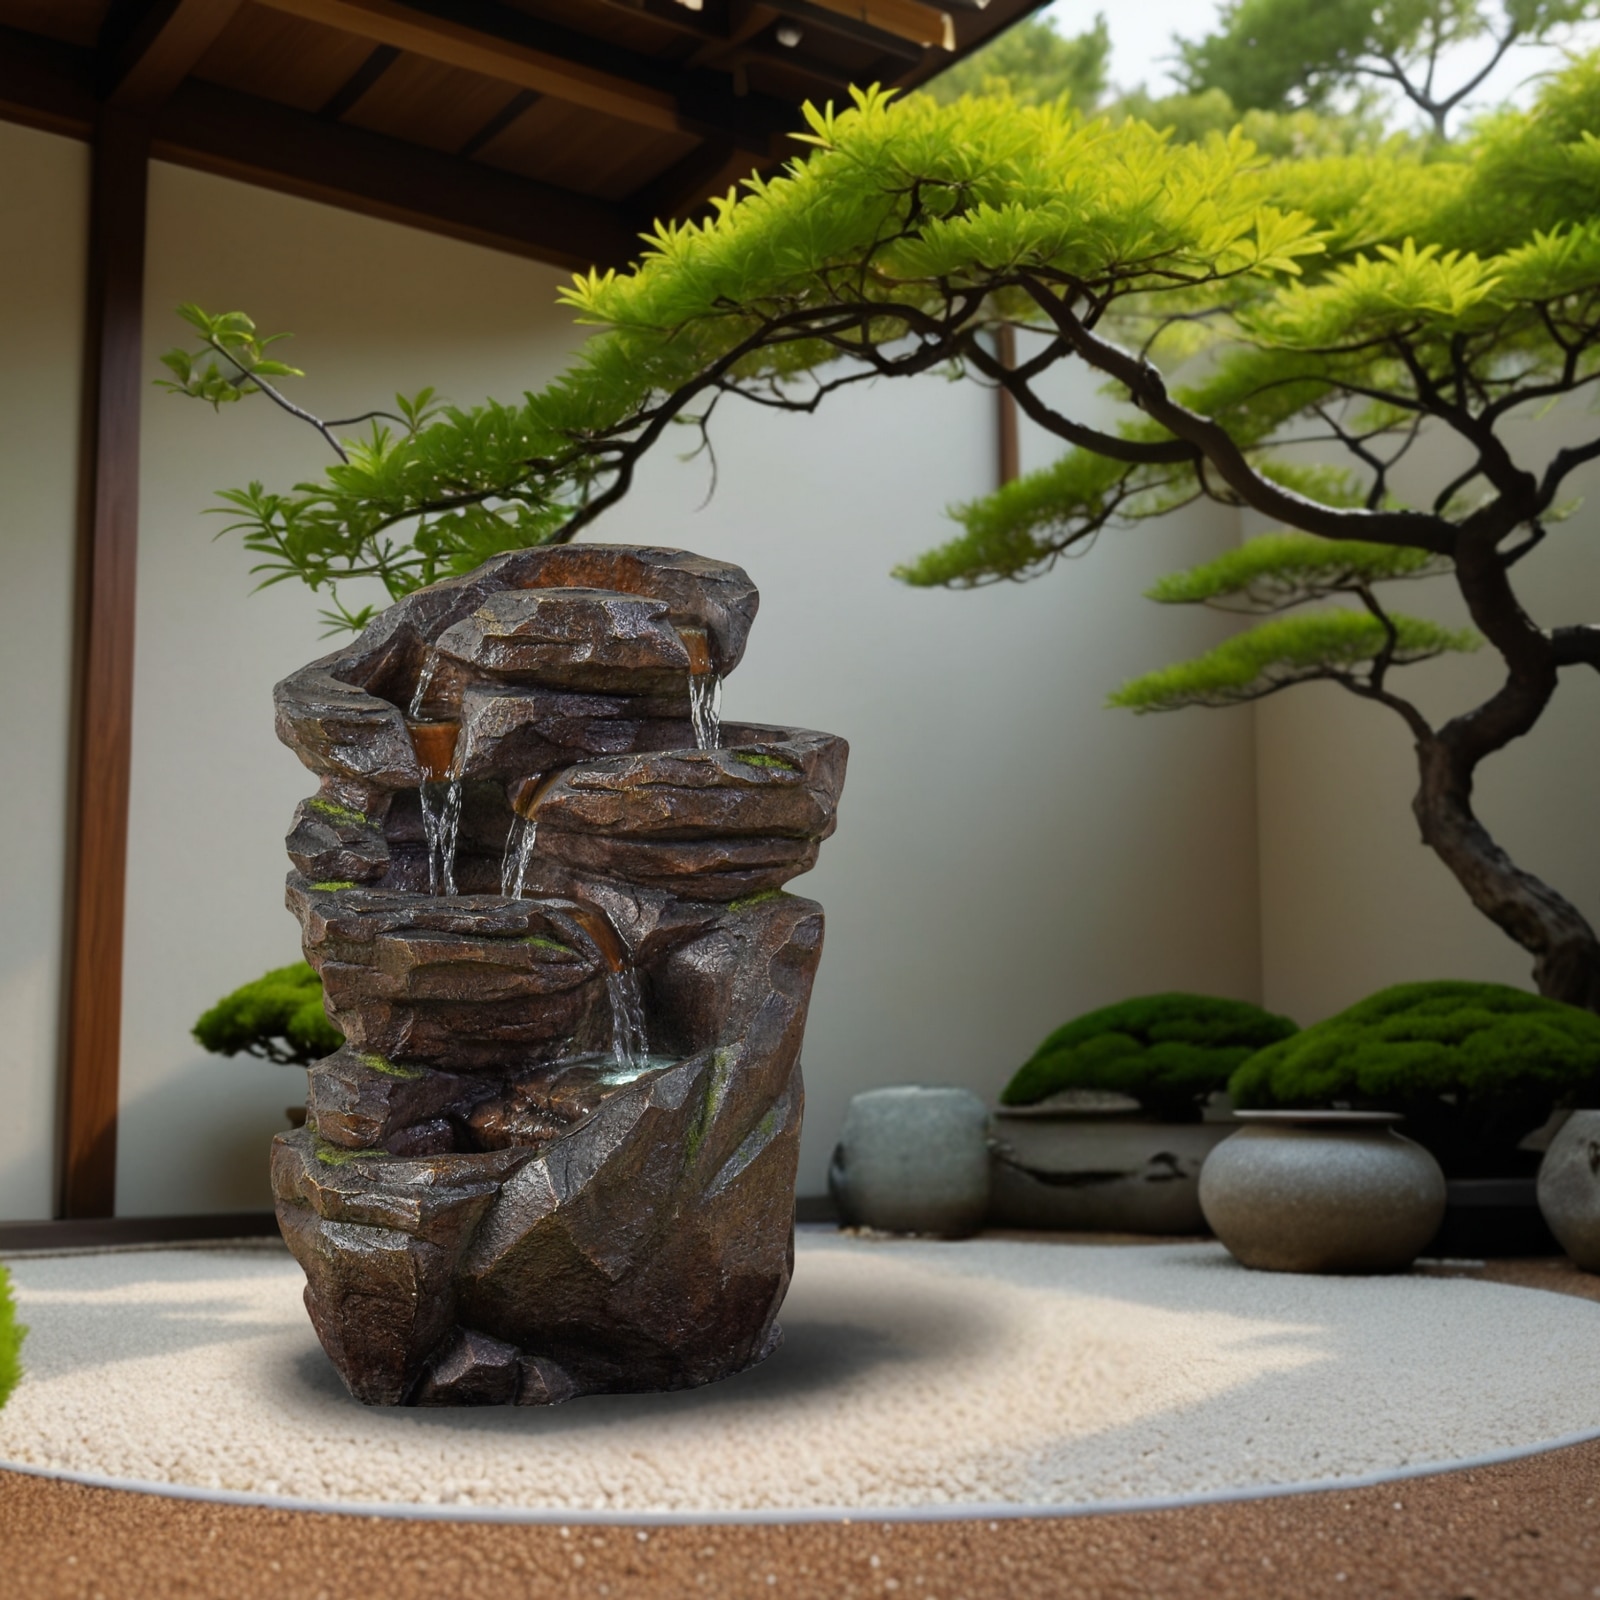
1529 1528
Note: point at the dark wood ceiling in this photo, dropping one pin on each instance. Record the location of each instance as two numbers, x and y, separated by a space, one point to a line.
558 129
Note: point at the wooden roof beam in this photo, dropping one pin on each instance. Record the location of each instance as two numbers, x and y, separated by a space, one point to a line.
147 54
514 47
302 153
917 24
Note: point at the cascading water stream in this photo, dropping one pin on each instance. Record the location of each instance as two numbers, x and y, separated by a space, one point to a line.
441 827
424 683
629 1045
519 855
705 709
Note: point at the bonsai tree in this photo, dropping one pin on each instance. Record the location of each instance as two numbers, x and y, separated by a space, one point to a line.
1474 1067
11 1336
1345 307
279 1017
1169 1052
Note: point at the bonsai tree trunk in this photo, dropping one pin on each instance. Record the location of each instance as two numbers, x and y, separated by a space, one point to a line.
1565 950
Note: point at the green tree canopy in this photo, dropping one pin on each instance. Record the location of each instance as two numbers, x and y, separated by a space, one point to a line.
1281 332
1274 55
1032 63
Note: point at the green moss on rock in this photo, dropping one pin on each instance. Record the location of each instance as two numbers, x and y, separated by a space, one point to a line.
754 758
11 1335
336 812
336 883
756 899
279 1017
1168 1051
390 1069
539 941
1473 1067
333 1155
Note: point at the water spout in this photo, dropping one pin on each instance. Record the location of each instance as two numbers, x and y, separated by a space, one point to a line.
705 710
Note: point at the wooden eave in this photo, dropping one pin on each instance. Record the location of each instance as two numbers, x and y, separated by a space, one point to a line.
556 129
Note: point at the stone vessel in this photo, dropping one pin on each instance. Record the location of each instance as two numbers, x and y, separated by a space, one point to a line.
1322 1191
1569 1188
1083 1161
913 1159
556 1154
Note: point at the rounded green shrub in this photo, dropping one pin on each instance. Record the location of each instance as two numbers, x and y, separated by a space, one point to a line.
1168 1051
279 1017
1474 1067
11 1332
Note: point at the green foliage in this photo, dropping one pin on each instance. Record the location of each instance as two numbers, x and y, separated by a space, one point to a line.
11 1336
1277 54
230 363
1280 569
1031 62
1279 134
1473 1066
1325 645
279 1017
1168 1051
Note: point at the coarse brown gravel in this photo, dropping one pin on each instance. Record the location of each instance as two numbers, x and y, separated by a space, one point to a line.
1529 1528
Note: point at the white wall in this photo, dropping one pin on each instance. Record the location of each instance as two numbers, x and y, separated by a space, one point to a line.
1351 900
1009 852
44 201
373 307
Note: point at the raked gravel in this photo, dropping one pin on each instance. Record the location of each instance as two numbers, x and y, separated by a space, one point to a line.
914 1373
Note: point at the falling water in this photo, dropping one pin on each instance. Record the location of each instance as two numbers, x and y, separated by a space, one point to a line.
424 683
705 709
450 831
431 820
519 853
441 827
628 1043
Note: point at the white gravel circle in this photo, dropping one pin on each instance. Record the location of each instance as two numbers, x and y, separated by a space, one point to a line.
914 1374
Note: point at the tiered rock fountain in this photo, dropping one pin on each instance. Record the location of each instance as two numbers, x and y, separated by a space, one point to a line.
556 1154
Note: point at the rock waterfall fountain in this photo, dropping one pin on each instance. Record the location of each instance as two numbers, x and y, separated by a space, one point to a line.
544 891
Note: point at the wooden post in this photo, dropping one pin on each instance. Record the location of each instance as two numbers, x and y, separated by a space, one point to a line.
1010 450
107 557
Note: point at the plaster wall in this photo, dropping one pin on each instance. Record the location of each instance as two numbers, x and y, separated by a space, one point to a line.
1351 900
44 199
1008 853
374 307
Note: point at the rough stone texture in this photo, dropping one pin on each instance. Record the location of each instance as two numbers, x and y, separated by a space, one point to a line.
580 639
490 1209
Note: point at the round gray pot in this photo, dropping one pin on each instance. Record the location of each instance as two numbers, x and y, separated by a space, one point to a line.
1322 1191
1569 1188
913 1160
1090 1163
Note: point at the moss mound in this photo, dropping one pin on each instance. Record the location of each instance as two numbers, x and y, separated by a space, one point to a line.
1474 1067
279 1017
11 1332
1168 1051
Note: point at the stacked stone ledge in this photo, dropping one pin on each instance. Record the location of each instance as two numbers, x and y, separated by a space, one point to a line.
486 1209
